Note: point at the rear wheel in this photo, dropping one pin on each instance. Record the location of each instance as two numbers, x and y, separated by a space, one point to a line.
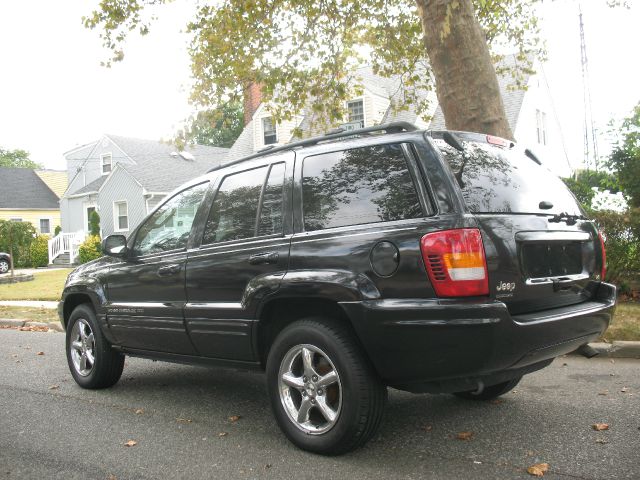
92 361
490 392
325 395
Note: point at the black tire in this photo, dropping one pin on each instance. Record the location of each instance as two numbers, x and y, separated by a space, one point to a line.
4 265
106 369
359 395
490 392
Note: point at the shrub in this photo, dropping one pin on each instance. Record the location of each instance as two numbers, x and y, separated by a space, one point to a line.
94 224
39 251
621 232
57 230
90 249
16 238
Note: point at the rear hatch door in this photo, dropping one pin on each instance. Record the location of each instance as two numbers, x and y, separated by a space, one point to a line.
542 252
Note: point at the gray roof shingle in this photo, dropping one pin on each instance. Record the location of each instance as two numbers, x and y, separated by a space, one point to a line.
92 187
23 188
160 168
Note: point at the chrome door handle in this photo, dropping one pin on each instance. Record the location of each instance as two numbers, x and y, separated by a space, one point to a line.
169 270
264 258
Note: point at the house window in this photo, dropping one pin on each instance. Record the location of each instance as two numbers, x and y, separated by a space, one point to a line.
355 109
269 133
120 216
45 225
541 127
105 161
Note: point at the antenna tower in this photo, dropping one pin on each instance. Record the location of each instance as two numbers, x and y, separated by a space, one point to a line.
590 139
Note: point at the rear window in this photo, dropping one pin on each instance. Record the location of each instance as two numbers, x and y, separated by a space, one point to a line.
499 180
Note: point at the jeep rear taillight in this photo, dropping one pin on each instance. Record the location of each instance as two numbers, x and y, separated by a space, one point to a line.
456 262
603 272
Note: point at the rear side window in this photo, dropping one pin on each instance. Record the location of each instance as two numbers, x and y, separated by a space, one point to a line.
234 210
500 180
358 186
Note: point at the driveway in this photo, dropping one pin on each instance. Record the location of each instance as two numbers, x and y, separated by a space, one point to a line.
181 418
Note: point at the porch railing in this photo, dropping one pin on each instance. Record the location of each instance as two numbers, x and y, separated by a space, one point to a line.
65 243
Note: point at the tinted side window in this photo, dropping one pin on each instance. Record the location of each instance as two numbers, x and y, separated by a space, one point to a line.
169 227
234 210
362 185
272 202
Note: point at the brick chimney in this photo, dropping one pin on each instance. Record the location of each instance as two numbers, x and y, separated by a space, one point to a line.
252 100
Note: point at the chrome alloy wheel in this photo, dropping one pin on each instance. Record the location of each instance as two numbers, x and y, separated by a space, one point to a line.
310 389
82 347
4 266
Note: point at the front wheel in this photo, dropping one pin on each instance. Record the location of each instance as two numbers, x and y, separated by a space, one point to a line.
92 361
324 393
490 392
4 266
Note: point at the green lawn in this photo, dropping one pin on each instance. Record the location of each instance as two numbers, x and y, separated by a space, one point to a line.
31 314
626 323
47 285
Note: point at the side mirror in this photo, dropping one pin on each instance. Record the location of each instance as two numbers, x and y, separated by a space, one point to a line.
115 245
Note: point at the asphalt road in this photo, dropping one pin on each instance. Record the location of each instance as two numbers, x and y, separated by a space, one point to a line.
180 418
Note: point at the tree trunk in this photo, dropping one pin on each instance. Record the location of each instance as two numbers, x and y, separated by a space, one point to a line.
461 64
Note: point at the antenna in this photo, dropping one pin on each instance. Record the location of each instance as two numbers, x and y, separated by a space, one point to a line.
589 129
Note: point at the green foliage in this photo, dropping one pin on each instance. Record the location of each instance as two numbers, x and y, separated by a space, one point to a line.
16 239
306 53
16 159
90 249
621 232
219 127
94 224
39 251
581 185
57 230
625 158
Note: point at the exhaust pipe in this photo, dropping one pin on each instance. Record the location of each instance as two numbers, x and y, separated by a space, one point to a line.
587 351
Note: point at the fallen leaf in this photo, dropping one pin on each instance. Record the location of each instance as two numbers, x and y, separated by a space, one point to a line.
496 401
538 470
600 426
40 353
139 411
464 435
624 389
234 418
184 420
130 443
54 387
222 434
601 440
112 477
427 428
565 364
606 392
267 466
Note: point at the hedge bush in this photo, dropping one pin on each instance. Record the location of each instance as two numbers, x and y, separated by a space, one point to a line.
621 233
39 251
90 249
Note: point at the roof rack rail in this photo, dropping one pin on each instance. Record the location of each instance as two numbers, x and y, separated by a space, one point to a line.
393 127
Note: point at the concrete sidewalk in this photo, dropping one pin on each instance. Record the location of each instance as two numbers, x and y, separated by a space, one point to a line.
29 304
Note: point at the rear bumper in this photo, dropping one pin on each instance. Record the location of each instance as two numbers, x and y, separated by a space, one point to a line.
448 345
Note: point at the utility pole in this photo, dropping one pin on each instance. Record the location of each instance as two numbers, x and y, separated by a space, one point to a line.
590 138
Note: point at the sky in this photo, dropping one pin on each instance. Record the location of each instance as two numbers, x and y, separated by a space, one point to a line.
54 95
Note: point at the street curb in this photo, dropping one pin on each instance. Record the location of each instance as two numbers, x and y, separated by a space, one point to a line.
17 323
615 349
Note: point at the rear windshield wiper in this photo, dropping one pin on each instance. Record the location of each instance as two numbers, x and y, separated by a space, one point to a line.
565 217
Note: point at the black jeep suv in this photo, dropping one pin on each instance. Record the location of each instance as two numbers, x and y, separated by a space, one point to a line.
442 262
